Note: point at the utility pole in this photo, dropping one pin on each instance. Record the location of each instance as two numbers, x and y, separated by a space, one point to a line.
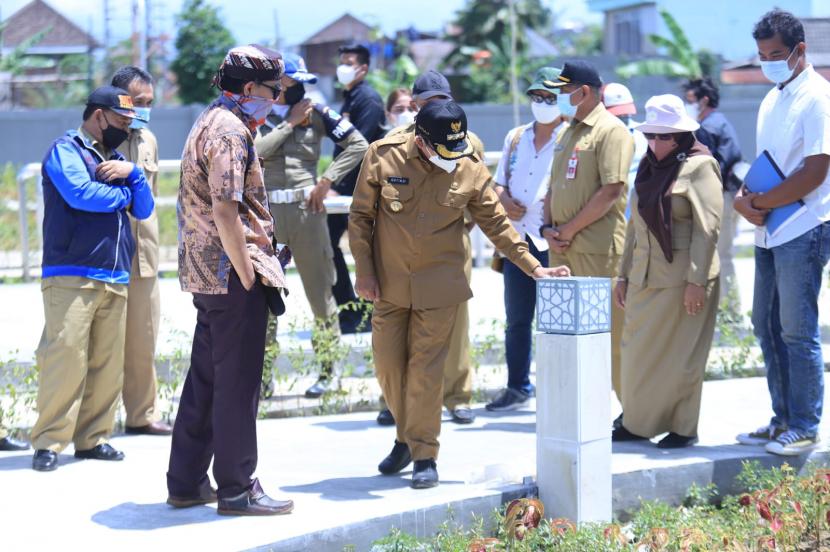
276 31
107 18
148 30
514 85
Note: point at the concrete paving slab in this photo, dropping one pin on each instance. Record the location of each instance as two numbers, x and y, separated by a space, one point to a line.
327 465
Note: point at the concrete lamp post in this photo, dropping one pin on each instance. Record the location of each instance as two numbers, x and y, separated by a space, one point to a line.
573 408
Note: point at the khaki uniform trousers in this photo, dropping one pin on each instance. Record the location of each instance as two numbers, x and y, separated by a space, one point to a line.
458 374
307 235
81 360
143 315
726 238
410 349
599 266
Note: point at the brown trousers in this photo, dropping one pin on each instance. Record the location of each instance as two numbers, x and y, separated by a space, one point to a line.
410 349
143 314
81 360
599 266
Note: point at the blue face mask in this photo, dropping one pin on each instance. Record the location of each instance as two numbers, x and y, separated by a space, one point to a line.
778 71
143 117
254 107
563 100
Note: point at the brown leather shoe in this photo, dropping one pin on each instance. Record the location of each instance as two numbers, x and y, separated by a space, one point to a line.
155 428
254 502
206 495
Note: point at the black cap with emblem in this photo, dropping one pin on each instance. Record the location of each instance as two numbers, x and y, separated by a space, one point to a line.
431 84
444 125
577 72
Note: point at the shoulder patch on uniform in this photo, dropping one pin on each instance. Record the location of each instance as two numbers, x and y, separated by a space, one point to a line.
397 180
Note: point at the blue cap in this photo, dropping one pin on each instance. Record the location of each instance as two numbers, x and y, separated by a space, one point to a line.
295 69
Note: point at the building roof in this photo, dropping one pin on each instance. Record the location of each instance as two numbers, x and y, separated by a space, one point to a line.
64 36
345 28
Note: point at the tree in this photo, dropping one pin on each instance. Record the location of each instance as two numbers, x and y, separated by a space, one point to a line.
684 60
19 60
482 45
201 45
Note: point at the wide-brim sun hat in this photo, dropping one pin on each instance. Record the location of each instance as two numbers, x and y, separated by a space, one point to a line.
665 114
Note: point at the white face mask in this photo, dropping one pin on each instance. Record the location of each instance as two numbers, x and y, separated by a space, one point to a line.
544 113
443 164
692 110
778 71
403 118
346 74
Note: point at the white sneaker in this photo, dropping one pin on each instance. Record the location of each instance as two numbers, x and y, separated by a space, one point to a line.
792 443
761 436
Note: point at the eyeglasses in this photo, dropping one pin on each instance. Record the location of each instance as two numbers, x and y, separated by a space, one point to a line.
275 90
538 98
661 137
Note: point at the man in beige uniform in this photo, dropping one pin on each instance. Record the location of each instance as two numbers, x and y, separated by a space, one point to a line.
585 212
143 303
406 235
289 143
458 374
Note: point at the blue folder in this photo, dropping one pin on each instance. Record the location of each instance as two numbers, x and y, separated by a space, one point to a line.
763 176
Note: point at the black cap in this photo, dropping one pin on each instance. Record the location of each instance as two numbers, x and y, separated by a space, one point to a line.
444 124
577 72
114 98
431 84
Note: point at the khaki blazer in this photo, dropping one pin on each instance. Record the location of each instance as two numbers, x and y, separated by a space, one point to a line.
142 149
406 225
697 204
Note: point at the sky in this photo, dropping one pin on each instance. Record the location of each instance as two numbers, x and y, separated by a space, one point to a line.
254 20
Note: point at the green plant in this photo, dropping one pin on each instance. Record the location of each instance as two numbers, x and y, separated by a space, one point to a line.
735 356
681 61
171 370
201 44
19 383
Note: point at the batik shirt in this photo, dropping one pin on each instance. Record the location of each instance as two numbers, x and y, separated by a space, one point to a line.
219 163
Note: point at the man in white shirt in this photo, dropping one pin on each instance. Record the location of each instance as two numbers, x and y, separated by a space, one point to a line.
794 127
521 183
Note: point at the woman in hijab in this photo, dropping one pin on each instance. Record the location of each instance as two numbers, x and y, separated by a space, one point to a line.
668 281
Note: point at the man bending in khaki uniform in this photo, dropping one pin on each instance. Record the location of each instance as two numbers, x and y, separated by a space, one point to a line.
143 303
406 235
585 208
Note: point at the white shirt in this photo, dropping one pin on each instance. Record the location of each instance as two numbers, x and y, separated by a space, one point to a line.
640 147
794 123
529 177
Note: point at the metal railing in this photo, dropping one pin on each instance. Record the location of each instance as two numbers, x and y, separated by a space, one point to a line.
31 258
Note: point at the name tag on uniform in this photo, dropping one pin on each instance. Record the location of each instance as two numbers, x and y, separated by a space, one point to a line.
572 164
401 180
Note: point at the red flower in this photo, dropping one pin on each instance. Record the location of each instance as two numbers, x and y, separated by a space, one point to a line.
776 524
763 510
745 500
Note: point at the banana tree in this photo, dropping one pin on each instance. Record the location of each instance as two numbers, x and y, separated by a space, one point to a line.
684 60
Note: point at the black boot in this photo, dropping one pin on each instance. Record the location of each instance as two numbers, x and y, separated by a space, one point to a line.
425 474
397 460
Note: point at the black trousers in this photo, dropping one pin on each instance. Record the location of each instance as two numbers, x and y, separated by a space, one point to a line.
218 407
342 289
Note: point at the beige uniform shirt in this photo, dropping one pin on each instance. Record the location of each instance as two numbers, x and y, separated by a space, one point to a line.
602 147
406 225
696 204
142 149
290 154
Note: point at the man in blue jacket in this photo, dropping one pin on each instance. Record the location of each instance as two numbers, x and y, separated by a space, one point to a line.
87 252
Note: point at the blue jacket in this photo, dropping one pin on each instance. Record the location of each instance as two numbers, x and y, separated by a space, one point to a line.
86 230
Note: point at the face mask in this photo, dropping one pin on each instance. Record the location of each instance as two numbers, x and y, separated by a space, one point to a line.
253 106
778 71
563 101
443 164
404 118
143 118
112 136
544 113
293 94
346 74
692 110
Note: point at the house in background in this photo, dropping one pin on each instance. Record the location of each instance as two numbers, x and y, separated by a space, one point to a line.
63 42
723 27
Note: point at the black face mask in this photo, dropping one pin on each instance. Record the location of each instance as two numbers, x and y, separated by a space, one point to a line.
112 136
293 94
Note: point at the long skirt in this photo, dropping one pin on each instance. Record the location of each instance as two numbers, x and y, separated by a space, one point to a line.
664 353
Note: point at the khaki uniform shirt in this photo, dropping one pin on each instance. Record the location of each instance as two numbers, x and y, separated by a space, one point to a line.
406 224
219 163
142 149
696 205
603 148
290 154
